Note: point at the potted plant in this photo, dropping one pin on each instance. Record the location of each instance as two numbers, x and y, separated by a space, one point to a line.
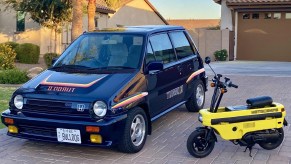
221 55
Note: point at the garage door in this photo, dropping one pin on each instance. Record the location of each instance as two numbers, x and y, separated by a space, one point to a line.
264 36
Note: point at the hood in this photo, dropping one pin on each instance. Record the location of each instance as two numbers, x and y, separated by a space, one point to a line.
100 85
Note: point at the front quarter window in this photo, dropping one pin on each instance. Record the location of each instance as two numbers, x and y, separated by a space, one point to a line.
150 54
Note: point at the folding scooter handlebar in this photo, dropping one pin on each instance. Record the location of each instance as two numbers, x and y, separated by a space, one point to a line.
220 89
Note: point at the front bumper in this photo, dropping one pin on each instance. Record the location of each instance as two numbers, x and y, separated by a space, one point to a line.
45 129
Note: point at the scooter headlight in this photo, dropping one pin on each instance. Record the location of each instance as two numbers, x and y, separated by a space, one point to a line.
100 108
200 118
18 101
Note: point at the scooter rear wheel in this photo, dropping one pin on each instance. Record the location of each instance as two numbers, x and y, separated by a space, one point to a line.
277 143
198 146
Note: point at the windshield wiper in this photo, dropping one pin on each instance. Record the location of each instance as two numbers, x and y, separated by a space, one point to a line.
115 67
64 66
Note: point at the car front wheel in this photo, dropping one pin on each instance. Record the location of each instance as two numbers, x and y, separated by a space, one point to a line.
196 101
135 131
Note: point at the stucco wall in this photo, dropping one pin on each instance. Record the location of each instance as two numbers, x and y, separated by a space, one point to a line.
102 20
34 33
137 12
209 41
226 17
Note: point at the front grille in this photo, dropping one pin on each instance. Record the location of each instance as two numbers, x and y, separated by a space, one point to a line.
52 107
39 131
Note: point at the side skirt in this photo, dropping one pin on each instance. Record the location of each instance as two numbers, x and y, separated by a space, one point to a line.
168 110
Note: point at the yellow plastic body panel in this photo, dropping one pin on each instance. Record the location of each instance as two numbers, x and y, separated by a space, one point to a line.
231 131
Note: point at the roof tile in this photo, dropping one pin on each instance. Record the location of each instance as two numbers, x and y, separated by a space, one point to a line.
253 1
256 1
101 6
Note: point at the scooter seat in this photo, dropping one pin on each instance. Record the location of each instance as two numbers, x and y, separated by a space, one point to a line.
260 102
236 108
253 103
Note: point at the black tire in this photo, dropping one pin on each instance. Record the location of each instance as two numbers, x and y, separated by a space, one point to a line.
126 144
277 143
197 145
194 104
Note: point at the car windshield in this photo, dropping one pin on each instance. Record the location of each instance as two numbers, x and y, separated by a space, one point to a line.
103 51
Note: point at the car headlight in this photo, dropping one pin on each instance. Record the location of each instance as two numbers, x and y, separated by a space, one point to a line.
18 101
100 108
200 118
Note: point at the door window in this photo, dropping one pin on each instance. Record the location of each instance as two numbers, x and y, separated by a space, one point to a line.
163 49
181 44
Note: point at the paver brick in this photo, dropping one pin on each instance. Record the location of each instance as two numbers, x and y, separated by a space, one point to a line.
167 144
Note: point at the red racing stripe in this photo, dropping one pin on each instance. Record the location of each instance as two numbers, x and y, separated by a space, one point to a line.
195 74
45 82
130 100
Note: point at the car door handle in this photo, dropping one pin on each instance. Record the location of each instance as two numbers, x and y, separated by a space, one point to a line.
180 68
190 66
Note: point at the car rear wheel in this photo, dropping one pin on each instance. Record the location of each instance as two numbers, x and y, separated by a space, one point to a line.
135 131
196 101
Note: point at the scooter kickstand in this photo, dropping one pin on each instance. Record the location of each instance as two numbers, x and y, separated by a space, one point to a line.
250 148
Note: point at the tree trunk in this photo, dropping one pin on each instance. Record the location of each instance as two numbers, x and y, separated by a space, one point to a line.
56 40
51 37
91 14
77 23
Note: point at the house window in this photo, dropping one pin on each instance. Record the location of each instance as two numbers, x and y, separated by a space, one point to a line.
256 16
246 16
20 21
288 15
277 15
96 22
268 15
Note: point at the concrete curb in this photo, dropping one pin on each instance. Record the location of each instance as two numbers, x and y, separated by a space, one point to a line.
11 85
3 131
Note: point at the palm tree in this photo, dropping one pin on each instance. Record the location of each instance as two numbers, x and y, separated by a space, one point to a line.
91 14
77 22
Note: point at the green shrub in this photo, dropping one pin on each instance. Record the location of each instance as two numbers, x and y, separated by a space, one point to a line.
221 55
7 57
48 58
13 76
13 45
27 53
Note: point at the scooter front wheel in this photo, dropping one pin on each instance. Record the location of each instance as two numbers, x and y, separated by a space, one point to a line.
197 144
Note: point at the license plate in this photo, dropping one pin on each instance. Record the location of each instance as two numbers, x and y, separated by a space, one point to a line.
69 135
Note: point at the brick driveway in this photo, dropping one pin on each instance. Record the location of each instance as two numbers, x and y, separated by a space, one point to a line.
168 142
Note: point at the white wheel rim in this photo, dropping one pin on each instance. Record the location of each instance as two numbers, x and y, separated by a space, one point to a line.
200 95
137 131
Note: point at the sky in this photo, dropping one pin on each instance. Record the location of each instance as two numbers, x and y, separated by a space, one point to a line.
187 9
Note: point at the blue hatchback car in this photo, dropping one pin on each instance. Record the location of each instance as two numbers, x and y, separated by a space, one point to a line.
108 86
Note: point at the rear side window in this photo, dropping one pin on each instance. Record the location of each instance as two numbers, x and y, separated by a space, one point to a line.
163 48
181 44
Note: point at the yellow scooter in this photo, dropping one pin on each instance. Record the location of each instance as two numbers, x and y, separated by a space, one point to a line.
259 122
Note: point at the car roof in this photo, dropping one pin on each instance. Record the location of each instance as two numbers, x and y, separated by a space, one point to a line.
140 29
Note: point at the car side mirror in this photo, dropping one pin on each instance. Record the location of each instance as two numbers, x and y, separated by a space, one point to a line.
207 60
155 66
54 60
